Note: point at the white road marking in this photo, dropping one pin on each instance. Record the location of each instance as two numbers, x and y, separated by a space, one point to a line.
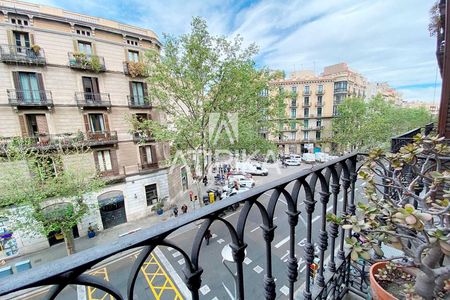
213 236
247 261
329 208
275 218
169 249
285 290
81 292
341 199
281 200
364 184
228 291
181 261
176 278
315 219
284 256
302 243
215 298
303 269
176 254
258 269
303 220
227 216
221 241
256 228
205 289
282 242
356 189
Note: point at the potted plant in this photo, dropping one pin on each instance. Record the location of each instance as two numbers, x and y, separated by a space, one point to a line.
158 207
137 69
36 49
407 207
95 64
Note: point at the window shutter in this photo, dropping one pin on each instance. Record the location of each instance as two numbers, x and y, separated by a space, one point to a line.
11 39
154 157
105 118
95 86
97 165
23 126
75 46
86 122
41 86
31 38
114 162
41 121
131 91
145 89
16 80
143 155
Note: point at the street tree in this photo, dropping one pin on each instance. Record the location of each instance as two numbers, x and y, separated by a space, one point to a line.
362 125
44 188
212 95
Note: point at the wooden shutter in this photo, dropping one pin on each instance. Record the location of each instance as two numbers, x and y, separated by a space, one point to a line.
97 166
154 157
11 39
114 162
32 42
41 86
143 155
131 91
95 86
23 126
145 89
86 122
16 81
105 118
75 46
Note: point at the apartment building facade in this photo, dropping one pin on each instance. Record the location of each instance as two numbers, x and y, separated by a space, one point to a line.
67 76
310 104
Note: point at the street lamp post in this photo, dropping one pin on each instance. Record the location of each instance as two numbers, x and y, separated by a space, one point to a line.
227 255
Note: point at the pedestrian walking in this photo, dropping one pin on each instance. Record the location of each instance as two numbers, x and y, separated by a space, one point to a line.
191 194
175 211
184 208
205 180
208 235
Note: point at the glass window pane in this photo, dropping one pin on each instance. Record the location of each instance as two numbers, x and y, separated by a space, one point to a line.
108 165
148 151
101 165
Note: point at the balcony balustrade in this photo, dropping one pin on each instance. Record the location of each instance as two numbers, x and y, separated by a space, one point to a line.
11 54
340 90
310 194
101 137
88 62
135 69
408 138
319 92
92 99
142 137
138 102
307 93
31 98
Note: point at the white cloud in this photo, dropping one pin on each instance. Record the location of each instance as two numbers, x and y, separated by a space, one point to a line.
383 40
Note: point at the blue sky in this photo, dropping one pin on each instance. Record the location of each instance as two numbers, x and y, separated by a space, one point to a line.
385 40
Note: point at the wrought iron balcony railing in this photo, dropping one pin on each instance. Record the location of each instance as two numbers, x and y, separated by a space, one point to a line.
135 69
90 62
102 137
92 99
407 138
142 137
22 55
34 98
307 196
307 93
138 102
319 92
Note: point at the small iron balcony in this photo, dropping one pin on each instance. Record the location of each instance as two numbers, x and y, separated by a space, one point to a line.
101 137
92 99
33 98
89 62
11 54
138 102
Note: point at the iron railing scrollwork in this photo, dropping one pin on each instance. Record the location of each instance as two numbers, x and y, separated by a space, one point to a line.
332 183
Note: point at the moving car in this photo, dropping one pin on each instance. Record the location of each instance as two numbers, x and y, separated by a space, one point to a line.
242 180
292 162
252 168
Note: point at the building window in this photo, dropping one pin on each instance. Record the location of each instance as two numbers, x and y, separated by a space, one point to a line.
264 92
85 47
280 89
19 21
30 91
83 32
305 135
151 194
320 88
104 160
319 123
147 155
133 55
317 135
306 112
334 110
292 136
306 89
340 86
22 40
293 113
137 89
306 101
36 124
305 123
319 100
319 111
293 102
133 42
292 125
96 122
294 89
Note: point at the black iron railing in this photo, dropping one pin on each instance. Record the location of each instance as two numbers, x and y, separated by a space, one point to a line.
407 138
22 55
90 62
340 90
308 195
138 102
30 97
93 99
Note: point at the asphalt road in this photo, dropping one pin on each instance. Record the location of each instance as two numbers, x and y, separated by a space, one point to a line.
161 276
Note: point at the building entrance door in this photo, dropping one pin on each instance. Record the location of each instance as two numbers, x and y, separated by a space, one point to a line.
112 209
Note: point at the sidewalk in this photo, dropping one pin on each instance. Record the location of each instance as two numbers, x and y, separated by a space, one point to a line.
102 237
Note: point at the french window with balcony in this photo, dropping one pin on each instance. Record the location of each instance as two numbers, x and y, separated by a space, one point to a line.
305 123
306 112
138 92
85 47
319 111
317 135
319 100
320 89
306 101
305 135
148 156
22 40
306 89
103 161
91 89
319 123
293 113
133 55
96 123
151 194
29 88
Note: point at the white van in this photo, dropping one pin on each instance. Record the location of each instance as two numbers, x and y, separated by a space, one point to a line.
252 168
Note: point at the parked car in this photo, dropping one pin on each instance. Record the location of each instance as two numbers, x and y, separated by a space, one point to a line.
242 180
252 168
292 162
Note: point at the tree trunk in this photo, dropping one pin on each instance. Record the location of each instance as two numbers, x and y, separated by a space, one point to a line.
70 241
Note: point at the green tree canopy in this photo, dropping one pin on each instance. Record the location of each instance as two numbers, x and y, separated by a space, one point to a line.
361 125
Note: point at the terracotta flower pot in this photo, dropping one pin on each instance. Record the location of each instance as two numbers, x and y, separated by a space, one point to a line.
378 293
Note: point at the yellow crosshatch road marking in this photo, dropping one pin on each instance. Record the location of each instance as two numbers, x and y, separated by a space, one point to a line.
159 282
93 292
